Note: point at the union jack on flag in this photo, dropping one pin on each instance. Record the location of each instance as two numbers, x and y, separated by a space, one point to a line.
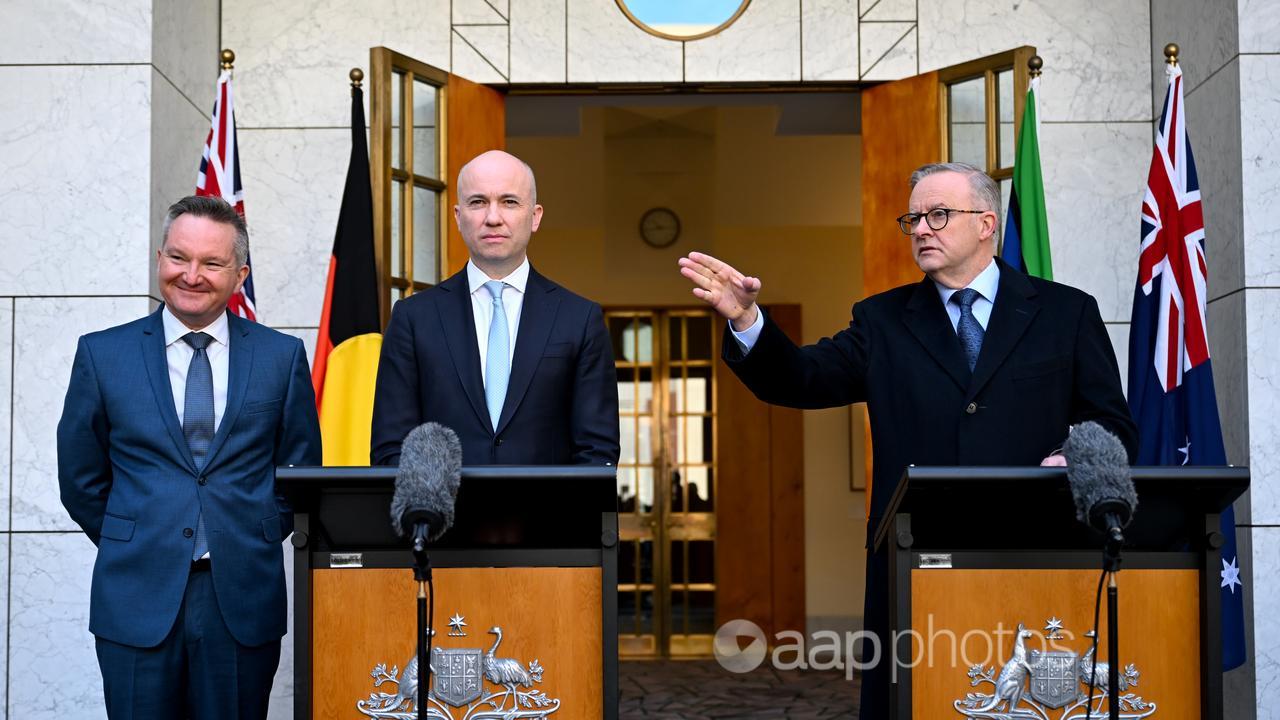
220 177
1171 391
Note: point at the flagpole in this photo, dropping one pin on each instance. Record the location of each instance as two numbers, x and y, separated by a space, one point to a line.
228 58
1171 54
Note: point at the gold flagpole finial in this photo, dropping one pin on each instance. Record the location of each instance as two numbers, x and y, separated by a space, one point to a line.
1034 65
357 77
1171 54
228 58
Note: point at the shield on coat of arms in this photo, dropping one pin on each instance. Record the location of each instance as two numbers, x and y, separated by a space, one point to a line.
457 675
1054 678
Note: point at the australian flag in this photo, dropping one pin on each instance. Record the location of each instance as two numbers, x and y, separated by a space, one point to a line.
1170 377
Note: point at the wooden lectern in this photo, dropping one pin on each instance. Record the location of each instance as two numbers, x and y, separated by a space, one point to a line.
974 553
525 615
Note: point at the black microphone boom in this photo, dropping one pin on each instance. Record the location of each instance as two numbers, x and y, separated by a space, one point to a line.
1098 471
426 483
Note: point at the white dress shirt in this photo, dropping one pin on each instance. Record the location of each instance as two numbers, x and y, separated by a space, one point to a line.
482 306
178 354
987 282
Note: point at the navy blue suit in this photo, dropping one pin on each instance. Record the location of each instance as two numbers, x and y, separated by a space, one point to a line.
129 480
561 405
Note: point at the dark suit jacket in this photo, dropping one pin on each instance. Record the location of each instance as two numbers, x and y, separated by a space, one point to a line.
128 479
1046 363
562 398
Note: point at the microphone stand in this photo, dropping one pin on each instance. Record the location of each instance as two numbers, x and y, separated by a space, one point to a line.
422 574
1111 565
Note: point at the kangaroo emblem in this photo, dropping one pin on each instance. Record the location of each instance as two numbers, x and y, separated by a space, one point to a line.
1013 676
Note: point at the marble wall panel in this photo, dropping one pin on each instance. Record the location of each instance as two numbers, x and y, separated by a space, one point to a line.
481 53
479 12
1097 66
292 59
178 130
762 44
1262 315
1228 351
604 46
1259 26
69 232
185 47
4 618
1265 642
1094 178
887 51
886 10
75 31
1260 142
829 40
46 331
294 188
1213 124
1206 33
53 669
538 36
6 418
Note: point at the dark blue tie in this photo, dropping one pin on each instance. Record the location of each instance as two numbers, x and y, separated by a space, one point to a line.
197 418
968 329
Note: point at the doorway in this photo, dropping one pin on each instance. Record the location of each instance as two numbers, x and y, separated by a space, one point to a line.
666 480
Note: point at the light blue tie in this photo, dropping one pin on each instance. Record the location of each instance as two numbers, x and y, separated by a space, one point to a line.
198 418
497 368
968 328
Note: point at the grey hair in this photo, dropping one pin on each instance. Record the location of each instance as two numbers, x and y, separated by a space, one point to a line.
217 210
985 191
533 181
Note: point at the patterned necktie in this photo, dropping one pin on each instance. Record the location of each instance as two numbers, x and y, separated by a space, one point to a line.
968 329
197 418
497 367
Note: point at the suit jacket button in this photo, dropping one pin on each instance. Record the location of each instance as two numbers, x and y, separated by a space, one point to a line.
187 532
203 481
497 441
972 408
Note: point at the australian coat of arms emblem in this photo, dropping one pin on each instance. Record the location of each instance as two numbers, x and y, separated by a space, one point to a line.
477 682
1049 685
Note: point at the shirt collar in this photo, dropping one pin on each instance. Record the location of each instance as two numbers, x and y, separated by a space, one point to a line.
987 282
174 329
518 279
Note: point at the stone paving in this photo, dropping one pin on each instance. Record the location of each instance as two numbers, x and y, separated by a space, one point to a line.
702 690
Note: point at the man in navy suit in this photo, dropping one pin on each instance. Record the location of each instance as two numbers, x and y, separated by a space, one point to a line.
171 431
976 364
519 367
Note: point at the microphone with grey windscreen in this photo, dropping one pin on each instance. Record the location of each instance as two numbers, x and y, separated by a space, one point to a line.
426 483
1098 471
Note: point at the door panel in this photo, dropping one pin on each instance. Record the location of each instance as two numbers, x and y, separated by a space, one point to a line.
476 121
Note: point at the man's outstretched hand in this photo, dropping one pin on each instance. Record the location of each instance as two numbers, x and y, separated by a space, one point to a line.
728 291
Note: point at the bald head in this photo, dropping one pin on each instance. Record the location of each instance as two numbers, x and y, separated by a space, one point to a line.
497 160
497 211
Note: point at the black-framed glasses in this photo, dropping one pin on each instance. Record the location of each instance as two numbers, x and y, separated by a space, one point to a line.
936 218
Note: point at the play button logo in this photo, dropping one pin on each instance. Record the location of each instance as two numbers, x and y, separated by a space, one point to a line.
739 646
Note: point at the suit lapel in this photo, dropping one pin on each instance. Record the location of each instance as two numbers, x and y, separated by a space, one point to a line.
459 326
537 315
157 365
1011 315
238 371
928 321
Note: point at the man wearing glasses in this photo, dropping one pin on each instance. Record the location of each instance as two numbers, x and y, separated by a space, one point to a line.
976 364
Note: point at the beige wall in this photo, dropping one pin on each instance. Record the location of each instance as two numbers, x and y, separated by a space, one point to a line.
784 208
